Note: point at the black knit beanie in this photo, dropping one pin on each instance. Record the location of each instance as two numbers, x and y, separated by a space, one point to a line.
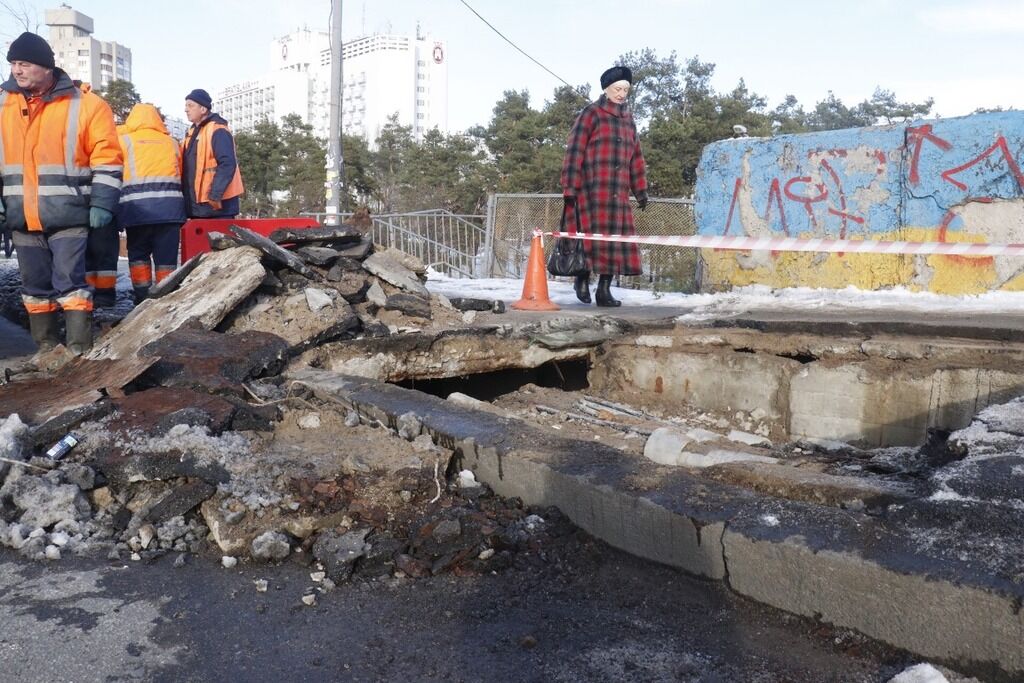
616 74
28 47
200 97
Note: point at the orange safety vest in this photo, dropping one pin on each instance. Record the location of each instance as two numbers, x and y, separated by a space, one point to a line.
58 156
206 163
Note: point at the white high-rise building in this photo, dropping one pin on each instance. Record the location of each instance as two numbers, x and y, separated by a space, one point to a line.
384 75
82 56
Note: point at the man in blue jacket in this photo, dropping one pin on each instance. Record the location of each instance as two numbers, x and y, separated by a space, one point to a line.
210 177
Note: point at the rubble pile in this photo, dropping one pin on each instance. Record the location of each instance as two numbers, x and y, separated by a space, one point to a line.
188 440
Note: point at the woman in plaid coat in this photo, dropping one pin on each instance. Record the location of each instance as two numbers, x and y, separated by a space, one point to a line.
603 163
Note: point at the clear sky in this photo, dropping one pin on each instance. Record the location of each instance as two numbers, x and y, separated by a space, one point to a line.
964 53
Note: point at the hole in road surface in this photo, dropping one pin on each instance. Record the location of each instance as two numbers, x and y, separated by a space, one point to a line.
570 375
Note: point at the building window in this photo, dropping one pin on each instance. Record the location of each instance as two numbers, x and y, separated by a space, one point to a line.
421 63
83 53
420 103
420 116
420 88
421 77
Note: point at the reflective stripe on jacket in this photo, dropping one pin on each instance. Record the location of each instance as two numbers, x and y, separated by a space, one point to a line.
206 162
152 174
57 157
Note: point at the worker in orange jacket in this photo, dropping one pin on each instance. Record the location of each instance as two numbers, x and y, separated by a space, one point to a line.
152 207
101 254
210 179
61 168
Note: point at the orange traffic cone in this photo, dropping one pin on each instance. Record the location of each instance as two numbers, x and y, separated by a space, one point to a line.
535 287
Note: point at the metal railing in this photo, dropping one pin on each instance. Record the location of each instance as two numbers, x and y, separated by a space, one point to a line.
454 244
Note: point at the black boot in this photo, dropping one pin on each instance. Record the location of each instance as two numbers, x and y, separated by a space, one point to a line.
79 331
582 287
604 294
45 329
140 293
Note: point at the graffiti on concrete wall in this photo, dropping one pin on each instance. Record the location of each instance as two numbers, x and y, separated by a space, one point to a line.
944 180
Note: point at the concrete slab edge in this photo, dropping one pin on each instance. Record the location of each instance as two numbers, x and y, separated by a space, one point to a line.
975 628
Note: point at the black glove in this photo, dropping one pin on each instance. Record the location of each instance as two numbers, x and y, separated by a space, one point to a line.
641 199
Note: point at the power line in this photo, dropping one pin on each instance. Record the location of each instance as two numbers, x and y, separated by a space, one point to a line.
521 50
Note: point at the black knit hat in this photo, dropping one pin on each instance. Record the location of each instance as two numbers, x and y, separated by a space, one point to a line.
616 74
200 97
28 47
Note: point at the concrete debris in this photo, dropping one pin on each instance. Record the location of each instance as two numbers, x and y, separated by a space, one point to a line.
317 299
395 274
309 421
261 585
668 446
228 562
747 438
409 426
309 599
376 296
338 552
270 545
469 317
467 480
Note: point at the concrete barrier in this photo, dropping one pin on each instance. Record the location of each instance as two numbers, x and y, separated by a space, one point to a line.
948 180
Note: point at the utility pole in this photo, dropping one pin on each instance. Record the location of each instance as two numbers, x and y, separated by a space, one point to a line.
335 161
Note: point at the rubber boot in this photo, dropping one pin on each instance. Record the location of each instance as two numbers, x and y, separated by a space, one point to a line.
45 329
104 298
582 287
140 294
79 331
604 292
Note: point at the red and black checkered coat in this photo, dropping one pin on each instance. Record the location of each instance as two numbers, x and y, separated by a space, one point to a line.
603 163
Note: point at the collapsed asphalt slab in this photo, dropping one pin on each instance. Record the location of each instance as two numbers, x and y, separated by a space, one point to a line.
846 567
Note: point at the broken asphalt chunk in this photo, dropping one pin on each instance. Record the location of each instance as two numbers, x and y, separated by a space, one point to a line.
276 253
171 282
75 385
221 281
211 361
408 304
318 256
341 234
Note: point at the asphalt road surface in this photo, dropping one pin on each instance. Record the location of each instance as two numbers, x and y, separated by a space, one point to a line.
598 615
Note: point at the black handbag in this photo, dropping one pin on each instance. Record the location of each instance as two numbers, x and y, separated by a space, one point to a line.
569 257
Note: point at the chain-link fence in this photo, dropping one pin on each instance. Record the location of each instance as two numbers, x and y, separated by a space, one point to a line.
511 219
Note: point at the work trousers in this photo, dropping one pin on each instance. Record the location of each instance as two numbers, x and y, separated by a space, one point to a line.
152 246
104 247
52 269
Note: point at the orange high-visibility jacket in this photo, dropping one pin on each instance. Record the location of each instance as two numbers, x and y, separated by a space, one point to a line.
206 163
57 158
152 171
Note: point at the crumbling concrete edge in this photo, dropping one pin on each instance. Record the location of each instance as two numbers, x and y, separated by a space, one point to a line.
977 628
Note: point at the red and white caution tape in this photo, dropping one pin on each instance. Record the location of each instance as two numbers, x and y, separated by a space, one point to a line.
812 244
